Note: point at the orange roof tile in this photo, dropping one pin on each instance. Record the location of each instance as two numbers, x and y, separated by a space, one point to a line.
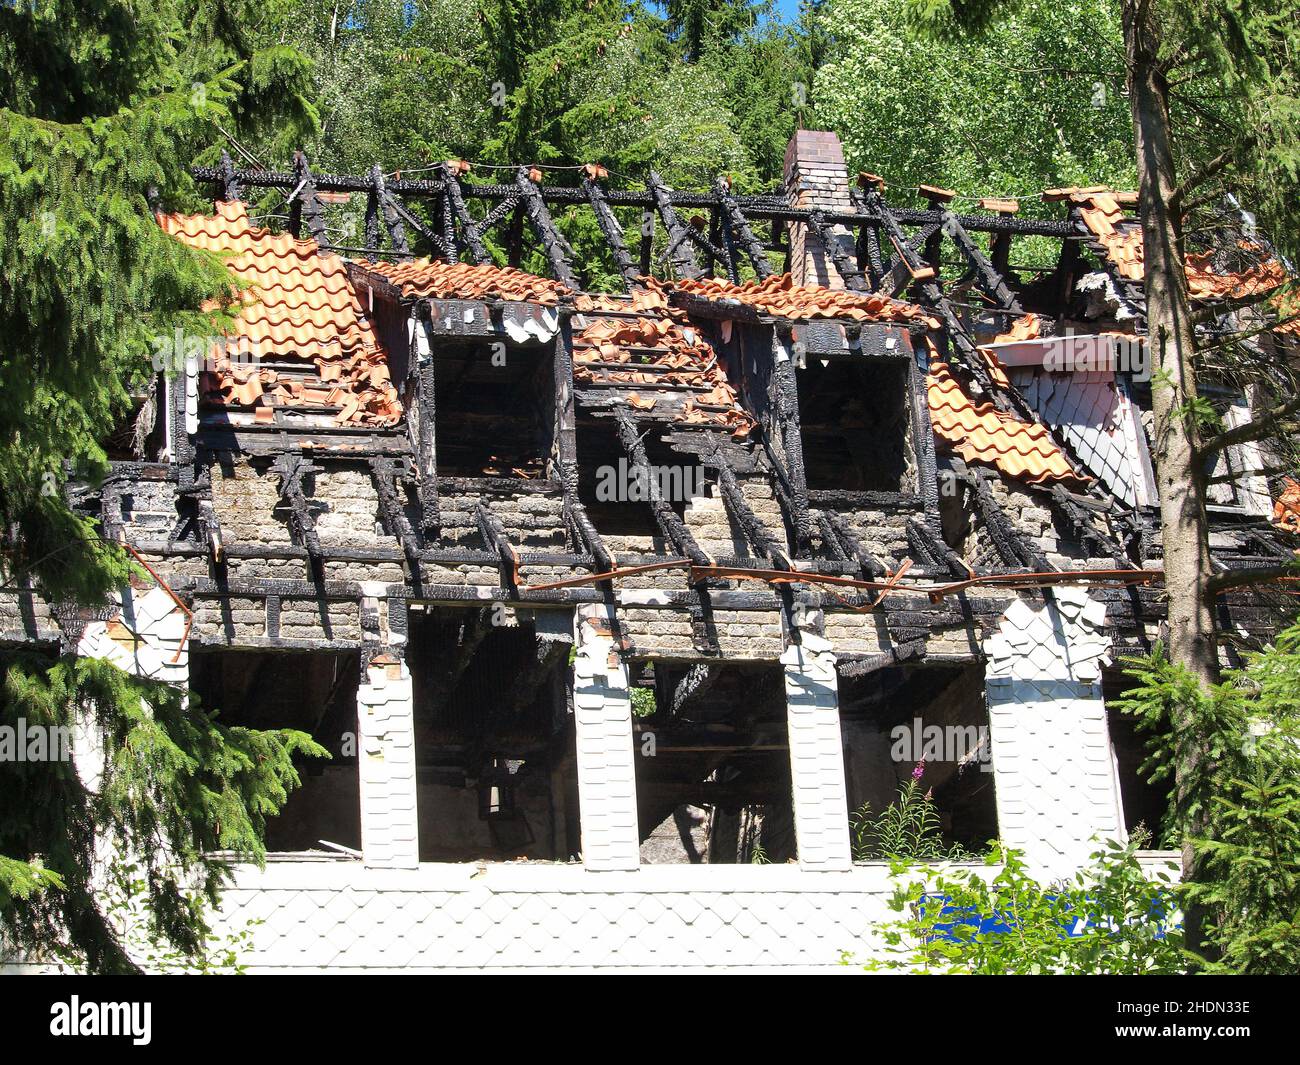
298 305
983 434
1286 508
1120 234
430 278
780 297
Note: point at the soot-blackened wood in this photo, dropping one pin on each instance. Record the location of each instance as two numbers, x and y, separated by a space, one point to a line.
372 226
497 540
230 187
647 241
673 528
307 205
844 263
396 231
446 221
565 448
693 686
737 226
987 275
764 544
291 469
384 474
470 231
871 566
558 252
679 251
785 409
611 230
426 445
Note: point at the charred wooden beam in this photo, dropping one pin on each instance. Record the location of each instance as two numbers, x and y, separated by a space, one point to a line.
231 189
423 428
306 204
737 227
870 565
673 528
988 277
763 543
470 230
291 469
565 451
398 525
558 252
785 409
383 204
609 226
495 536
647 241
210 527
679 253
925 544
693 686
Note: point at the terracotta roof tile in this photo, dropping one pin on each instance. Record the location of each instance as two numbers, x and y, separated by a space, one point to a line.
433 279
298 305
1286 508
1120 234
653 347
983 434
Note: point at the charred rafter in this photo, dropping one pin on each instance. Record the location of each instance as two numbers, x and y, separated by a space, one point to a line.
558 252
679 252
609 227
737 229
673 528
305 204
387 477
291 470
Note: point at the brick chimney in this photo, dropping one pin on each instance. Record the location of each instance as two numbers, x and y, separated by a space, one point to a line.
815 176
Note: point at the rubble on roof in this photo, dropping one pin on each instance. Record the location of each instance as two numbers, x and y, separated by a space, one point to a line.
642 344
1119 233
299 307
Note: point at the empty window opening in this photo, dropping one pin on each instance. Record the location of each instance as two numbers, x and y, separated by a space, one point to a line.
316 693
853 415
1145 805
925 726
496 769
712 763
494 409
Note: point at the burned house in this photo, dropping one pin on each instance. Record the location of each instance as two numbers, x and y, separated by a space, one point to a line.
597 580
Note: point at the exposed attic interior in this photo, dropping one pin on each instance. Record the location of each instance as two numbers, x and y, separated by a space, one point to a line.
310 691
712 763
493 734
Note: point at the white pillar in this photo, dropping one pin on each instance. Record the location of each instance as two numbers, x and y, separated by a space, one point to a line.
821 806
602 711
386 764
1057 793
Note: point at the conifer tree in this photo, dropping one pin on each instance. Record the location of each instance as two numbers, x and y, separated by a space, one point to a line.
103 103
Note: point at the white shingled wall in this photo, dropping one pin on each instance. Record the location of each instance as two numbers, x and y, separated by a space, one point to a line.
821 821
1055 775
386 763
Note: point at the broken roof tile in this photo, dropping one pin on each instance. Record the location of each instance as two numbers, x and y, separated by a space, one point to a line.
780 297
1120 236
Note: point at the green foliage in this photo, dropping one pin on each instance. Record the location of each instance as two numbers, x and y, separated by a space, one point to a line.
1237 796
1031 105
643 702
1125 923
907 830
100 103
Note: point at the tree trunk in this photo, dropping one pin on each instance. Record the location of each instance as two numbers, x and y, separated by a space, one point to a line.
1170 333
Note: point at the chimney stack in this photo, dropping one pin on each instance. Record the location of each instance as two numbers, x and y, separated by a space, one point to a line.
815 176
